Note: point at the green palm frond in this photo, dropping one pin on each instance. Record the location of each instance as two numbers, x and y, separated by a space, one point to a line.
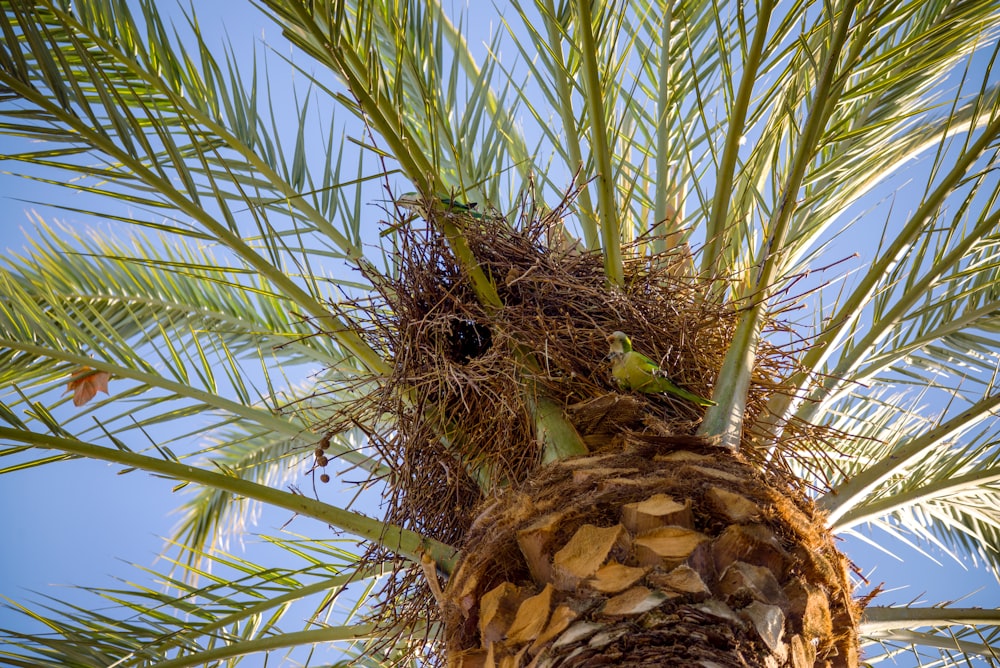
210 515
955 637
166 464
426 97
244 609
823 134
177 284
944 285
158 114
179 331
154 118
947 500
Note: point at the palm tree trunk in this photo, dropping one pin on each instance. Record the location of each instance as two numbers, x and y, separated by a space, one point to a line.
670 553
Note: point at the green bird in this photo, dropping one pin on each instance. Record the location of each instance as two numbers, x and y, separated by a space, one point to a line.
635 371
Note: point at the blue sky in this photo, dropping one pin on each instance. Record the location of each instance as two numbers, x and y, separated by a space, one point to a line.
77 522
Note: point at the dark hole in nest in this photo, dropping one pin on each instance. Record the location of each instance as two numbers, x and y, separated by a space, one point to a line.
468 340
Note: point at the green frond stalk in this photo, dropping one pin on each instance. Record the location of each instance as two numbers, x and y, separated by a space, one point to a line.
725 421
327 40
850 311
851 493
716 230
869 511
611 230
404 542
563 80
881 620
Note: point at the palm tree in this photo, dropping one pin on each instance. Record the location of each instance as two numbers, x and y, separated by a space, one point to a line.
681 172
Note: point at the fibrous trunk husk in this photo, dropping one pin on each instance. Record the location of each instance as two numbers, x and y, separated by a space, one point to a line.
670 554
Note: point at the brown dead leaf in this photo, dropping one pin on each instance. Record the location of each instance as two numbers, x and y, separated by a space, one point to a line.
85 383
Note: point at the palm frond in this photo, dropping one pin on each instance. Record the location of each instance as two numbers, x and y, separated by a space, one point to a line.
397 64
932 479
99 97
960 636
404 542
178 331
212 516
942 287
244 610
152 117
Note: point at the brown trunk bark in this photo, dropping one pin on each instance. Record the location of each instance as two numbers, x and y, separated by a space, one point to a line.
670 555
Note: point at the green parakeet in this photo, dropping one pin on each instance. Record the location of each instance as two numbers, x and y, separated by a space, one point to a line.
635 371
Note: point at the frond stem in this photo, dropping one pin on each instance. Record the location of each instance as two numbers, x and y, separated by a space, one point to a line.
588 218
347 337
851 310
515 142
611 233
842 376
725 420
404 542
415 165
911 498
715 231
265 418
879 619
852 493
663 133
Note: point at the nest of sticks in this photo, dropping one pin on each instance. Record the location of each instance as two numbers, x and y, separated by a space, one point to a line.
454 419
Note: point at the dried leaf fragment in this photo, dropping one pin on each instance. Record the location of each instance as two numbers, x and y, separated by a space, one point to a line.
656 511
614 577
531 616
584 553
669 542
85 383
